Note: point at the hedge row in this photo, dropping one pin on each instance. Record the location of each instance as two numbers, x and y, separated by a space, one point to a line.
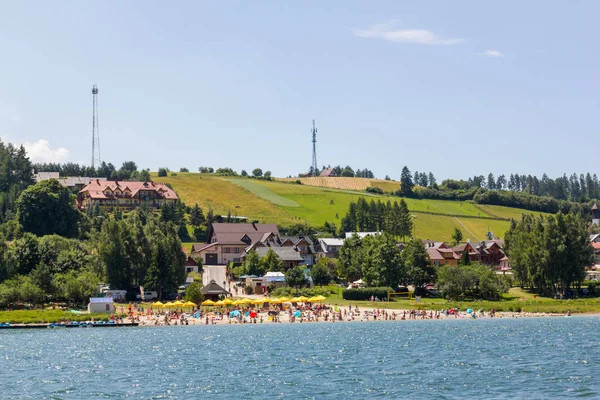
366 293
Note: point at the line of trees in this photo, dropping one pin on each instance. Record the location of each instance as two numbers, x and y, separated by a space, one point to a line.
549 254
392 218
551 199
128 171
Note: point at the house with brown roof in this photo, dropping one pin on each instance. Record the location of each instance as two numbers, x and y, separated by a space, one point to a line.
439 254
227 242
124 194
328 172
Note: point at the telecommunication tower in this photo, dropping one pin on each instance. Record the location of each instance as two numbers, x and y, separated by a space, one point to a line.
95 132
315 168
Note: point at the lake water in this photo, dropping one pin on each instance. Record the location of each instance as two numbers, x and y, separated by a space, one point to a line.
494 358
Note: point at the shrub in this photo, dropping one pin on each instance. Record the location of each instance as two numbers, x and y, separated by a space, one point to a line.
298 182
162 172
373 189
249 289
366 293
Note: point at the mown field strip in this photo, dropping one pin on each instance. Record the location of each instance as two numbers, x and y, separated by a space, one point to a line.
264 193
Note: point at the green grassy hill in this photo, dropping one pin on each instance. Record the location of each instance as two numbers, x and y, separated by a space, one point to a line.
286 203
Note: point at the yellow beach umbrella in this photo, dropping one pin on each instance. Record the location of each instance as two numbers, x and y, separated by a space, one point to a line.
208 303
313 299
303 298
157 304
168 305
219 303
258 301
321 298
295 300
189 304
284 299
275 301
247 301
228 301
178 303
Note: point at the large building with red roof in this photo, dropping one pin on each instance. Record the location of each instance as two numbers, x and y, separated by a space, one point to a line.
125 195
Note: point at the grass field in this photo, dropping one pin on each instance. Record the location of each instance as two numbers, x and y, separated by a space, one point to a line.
265 193
46 316
286 203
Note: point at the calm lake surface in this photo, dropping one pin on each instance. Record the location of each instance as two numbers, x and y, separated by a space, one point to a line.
494 358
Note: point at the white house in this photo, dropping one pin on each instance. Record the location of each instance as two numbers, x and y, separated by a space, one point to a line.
362 235
101 305
330 247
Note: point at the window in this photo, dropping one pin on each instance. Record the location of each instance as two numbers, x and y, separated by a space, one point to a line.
227 250
236 250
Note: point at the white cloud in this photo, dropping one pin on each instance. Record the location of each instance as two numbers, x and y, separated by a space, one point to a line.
387 31
491 53
41 152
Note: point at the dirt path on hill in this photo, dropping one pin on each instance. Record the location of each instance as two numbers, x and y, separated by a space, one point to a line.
467 229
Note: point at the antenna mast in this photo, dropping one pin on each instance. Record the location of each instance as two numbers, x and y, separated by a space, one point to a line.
315 168
95 132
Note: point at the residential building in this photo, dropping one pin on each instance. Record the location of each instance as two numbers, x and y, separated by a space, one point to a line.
362 235
328 172
439 254
124 194
330 247
304 245
289 256
227 242
231 243
75 183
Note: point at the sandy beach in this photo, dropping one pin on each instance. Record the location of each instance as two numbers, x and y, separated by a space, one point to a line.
317 314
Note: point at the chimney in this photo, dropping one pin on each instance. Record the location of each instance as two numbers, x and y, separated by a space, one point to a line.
469 240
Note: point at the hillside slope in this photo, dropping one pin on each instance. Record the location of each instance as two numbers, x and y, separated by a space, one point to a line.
286 203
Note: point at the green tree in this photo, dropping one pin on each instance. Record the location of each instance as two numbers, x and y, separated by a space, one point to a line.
406 183
48 208
294 277
457 236
404 220
23 255
193 293
257 172
465 260
252 264
144 176
418 271
383 264
244 173
320 274
197 216
271 262
267 175
162 172
350 259
75 287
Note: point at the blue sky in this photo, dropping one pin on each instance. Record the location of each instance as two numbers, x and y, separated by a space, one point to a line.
456 88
